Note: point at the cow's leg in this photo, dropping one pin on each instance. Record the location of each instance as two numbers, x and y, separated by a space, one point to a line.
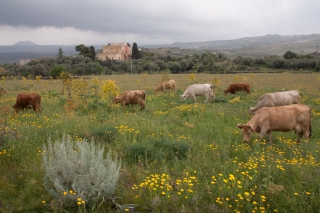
299 132
194 97
269 135
207 97
262 133
34 107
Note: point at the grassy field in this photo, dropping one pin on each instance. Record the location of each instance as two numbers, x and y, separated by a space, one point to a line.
218 174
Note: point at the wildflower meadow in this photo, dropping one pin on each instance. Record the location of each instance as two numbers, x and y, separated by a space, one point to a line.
174 156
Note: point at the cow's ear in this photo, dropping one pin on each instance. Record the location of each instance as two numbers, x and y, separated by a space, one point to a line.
240 126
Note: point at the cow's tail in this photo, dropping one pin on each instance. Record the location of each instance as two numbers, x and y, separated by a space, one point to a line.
310 128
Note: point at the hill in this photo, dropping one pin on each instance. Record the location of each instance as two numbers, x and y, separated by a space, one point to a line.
249 46
24 43
257 46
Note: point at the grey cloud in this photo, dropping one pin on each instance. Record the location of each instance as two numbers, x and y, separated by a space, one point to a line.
179 20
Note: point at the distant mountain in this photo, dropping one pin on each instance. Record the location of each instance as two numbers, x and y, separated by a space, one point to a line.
266 40
25 43
13 53
249 46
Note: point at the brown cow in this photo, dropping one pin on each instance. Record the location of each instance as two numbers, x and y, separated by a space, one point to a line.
170 84
233 88
295 117
132 97
26 101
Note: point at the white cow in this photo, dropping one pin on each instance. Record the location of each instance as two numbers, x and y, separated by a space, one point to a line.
198 90
277 99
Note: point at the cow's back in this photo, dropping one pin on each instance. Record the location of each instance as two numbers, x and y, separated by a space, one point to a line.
283 118
25 100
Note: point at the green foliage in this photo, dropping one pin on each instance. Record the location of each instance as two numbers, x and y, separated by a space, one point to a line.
60 53
174 67
151 66
278 63
104 133
78 171
158 150
135 51
84 50
57 70
290 55
92 53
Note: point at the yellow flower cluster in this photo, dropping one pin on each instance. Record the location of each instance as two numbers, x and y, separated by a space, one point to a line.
109 89
190 108
160 113
157 184
123 129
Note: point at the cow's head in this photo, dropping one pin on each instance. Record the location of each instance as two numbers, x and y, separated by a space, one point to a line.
183 97
116 100
225 92
252 110
247 131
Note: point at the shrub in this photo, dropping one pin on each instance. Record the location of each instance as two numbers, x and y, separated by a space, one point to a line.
158 150
79 172
104 133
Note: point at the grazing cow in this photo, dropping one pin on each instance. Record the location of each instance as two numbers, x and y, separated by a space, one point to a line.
295 117
233 88
170 84
198 90
132 97
26 101
277 99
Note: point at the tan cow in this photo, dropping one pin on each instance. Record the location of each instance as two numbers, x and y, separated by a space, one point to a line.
132 97
26 101
277 99
295 117
170 84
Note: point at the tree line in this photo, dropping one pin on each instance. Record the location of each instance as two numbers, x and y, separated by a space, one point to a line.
86 63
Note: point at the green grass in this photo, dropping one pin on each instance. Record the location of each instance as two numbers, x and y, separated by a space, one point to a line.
219 172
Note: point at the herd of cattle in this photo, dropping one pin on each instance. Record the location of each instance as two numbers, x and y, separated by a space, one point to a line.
280 111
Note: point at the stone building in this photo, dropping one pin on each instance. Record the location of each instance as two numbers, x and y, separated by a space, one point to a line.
24 61
116 51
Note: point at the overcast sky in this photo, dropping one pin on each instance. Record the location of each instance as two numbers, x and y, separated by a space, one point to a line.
91 22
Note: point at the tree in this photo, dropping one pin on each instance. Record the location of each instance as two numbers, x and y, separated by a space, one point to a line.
92 52
60 53
57 70
151 66
290 55
84 50
135 51
174 67
184 64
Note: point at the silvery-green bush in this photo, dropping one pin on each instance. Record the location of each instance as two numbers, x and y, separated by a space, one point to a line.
79 171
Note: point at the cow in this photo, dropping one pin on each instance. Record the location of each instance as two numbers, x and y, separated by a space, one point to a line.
170 84
295 117
198 90
234 88
28 101
132 97
277 99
